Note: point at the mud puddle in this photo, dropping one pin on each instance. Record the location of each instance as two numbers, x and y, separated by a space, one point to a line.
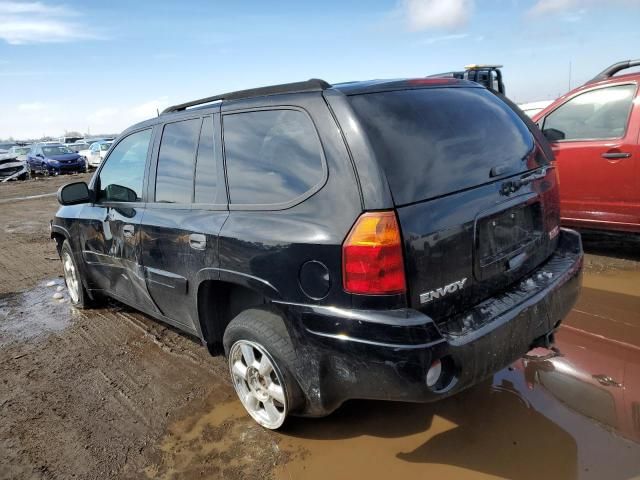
570 414
36 312
218 441
618 281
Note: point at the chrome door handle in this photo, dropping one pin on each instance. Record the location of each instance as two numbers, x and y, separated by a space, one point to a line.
197 241
616 155
128 231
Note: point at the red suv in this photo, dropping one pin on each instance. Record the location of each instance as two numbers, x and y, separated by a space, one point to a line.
594 132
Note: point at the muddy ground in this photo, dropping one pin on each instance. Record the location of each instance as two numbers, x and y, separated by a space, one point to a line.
110 393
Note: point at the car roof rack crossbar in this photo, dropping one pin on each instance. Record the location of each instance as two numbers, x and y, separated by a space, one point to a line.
611 70
312 85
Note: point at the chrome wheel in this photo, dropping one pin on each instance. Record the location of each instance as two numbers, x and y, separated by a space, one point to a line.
71 277
259 383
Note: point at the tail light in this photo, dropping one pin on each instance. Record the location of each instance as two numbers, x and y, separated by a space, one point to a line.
372 256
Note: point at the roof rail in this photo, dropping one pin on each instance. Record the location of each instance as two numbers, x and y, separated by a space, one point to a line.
312 85
611 70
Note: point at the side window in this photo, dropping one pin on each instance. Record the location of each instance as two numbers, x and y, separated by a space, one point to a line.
272 156
206 173
597 114
174 177
122 176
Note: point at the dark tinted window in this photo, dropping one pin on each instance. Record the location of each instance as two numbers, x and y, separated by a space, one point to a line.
435 141
174 178
206 173
123 172
597 114
272 156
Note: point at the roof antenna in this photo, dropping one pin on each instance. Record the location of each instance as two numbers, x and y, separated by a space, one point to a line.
157 111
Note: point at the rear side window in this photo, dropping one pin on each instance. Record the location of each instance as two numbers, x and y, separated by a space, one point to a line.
435 141
272 156
174 177
597 114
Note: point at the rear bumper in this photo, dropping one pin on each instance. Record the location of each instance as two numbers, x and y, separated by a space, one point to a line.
385 355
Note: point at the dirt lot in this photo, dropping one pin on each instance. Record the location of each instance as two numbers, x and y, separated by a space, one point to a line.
110 393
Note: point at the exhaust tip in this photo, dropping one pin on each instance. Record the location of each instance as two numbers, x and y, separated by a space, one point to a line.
441 375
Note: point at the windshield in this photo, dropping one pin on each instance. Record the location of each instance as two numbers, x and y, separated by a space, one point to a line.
21 150
105 146
55 150
435 141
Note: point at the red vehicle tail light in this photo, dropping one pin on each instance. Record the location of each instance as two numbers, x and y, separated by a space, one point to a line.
372 262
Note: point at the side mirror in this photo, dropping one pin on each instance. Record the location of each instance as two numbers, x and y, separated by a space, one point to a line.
74 193
553 135
118 193
39 155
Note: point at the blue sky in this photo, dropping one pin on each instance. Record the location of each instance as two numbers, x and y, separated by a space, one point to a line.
105 65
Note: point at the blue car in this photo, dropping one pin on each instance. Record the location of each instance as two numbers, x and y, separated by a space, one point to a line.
54 159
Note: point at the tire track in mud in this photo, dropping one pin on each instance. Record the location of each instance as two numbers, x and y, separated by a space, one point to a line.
103 390
100 398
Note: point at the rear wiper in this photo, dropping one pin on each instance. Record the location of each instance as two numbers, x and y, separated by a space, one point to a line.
511 186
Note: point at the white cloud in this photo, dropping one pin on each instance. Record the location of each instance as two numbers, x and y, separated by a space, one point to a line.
13 8
444 38
116 118
103 115
36 22
436 14
544 7
32 107
148 109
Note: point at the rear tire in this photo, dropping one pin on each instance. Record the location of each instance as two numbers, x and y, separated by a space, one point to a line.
261 357
78 295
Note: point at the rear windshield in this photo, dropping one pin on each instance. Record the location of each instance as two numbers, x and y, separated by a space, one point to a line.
435 141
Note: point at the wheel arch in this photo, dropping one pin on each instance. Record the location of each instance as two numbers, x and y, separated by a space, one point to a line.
220 299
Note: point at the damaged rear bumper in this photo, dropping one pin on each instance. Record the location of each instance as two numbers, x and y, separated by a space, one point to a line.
385 355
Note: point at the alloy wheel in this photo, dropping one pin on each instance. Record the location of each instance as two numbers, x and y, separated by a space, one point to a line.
258 383
71 277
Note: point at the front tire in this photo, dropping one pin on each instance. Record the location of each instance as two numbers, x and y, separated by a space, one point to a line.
77 293
261 356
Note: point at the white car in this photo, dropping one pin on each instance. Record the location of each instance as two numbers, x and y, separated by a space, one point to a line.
20 152
96 153
532 108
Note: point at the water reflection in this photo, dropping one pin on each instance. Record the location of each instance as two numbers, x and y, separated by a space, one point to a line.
595 376
573 413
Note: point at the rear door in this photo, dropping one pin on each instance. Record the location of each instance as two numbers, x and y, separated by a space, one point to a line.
183 220
476 201
596 151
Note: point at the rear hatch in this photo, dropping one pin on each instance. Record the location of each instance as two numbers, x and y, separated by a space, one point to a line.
476 199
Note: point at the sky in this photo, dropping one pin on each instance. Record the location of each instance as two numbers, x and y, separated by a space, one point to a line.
100 66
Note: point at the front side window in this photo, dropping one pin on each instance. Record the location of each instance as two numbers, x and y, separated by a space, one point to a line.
272 156
174 178
122 175
597 114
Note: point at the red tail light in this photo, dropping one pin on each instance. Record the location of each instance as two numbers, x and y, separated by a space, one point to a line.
372 256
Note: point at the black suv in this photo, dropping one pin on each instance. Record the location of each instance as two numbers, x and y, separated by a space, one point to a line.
391 240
